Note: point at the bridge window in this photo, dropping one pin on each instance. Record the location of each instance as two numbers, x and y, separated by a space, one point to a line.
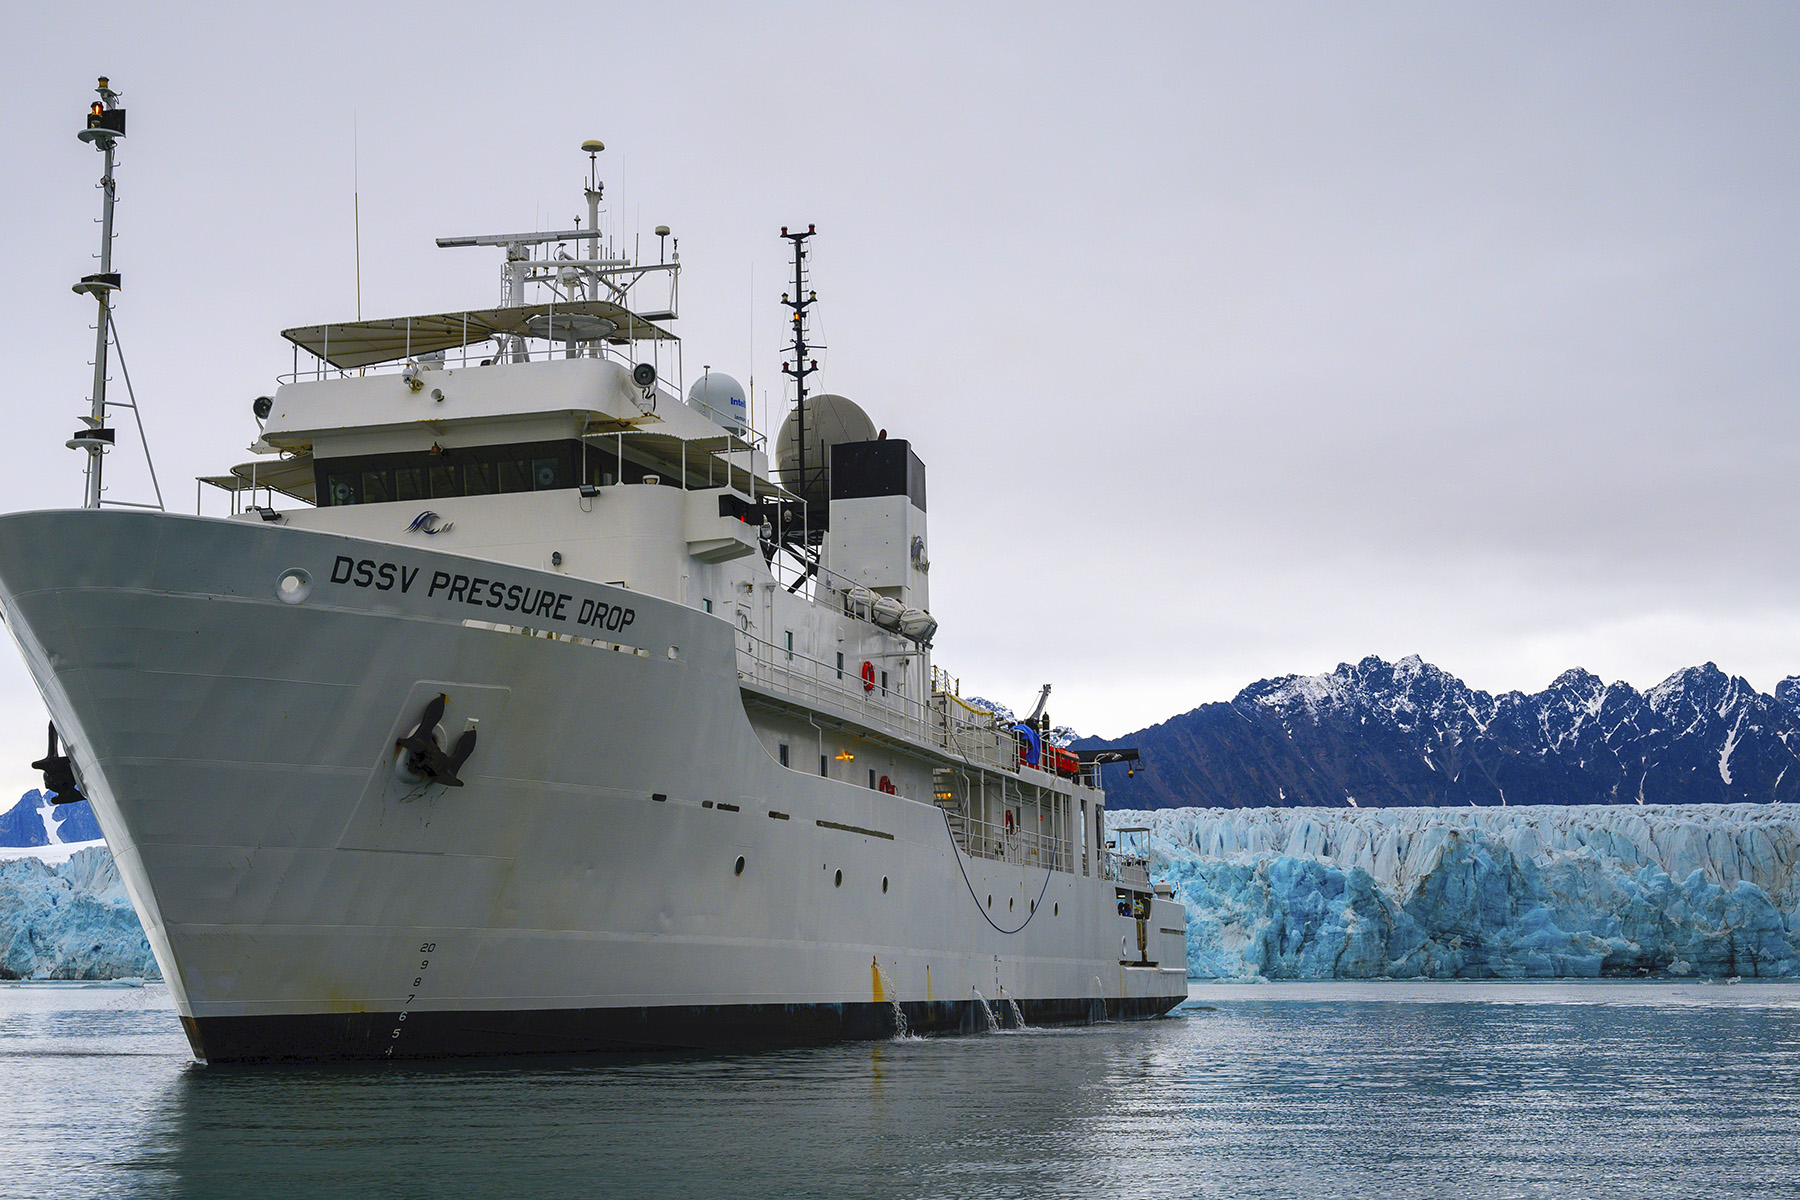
429 475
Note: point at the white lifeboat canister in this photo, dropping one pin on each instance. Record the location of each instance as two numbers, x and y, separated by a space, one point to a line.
917 625
886 612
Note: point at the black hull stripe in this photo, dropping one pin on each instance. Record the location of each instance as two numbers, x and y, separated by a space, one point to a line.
423 1033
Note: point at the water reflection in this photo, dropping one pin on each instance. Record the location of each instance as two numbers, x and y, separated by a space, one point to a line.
1271 1092
993 1116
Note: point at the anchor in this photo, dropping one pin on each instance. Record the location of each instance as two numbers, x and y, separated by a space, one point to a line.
424 757
59 774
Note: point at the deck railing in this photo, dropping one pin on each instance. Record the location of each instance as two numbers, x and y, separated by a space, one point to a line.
986 839
942 721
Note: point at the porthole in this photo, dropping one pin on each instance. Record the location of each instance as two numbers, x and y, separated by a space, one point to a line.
837 880
884 885
1009 903
293 585
1034 906
738 868
1055 909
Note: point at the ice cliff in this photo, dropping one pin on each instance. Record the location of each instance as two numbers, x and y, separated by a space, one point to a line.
69 921
1513 893
1296 893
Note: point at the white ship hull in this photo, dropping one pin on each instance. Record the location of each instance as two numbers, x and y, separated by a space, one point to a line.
581 892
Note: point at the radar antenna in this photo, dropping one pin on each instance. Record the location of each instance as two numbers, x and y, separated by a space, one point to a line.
105 127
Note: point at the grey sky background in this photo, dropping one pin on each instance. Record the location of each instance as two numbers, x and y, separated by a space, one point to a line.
1237 339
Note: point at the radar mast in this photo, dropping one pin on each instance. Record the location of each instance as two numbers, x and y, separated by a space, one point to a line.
105 127
801 366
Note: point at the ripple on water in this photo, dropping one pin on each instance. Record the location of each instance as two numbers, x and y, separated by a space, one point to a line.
1276 1090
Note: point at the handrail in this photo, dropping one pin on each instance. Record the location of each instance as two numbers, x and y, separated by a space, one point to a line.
763 662
991 840
935 723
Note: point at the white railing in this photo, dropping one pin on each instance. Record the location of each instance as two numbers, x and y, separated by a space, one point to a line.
944 723
842 692
487 352
985 839
1125 868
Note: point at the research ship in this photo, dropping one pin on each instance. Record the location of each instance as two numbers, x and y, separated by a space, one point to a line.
522 698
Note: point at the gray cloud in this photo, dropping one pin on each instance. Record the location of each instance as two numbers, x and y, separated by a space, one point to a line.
1237 339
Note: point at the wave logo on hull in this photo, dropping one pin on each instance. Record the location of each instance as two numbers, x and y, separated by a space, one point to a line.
427 522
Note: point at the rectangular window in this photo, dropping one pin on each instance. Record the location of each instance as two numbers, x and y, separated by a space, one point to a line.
513 474
871 777
409 483
412 476
705 604
840 668
790 645
782 752
340 489
821 764
884 683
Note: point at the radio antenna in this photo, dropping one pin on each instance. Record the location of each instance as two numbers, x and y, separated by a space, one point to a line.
356 203
802 299
105 127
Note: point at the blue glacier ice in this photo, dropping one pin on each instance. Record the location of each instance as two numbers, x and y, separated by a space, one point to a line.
69 920
1510 893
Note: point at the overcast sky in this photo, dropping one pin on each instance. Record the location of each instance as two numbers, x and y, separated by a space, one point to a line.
1238 340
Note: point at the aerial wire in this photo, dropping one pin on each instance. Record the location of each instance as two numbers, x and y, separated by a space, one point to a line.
356 203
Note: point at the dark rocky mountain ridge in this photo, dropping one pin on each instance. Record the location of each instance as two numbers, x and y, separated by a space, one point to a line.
1379 734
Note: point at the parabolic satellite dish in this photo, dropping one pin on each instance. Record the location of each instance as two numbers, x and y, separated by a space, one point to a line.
829 420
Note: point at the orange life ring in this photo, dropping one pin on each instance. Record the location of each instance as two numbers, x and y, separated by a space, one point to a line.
1009 821
887 785
868 674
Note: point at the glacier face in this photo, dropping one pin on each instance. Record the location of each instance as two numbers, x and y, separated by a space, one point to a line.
1547 891
70 920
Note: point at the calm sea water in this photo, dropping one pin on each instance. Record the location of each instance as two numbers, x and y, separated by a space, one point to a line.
1314 1090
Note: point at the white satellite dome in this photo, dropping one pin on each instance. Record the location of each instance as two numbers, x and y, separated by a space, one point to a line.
829 420
720 399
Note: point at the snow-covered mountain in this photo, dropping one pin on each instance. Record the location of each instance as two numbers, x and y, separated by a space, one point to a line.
25 824
1379 734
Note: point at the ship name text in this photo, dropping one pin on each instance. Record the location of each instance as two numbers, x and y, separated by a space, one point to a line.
480 592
